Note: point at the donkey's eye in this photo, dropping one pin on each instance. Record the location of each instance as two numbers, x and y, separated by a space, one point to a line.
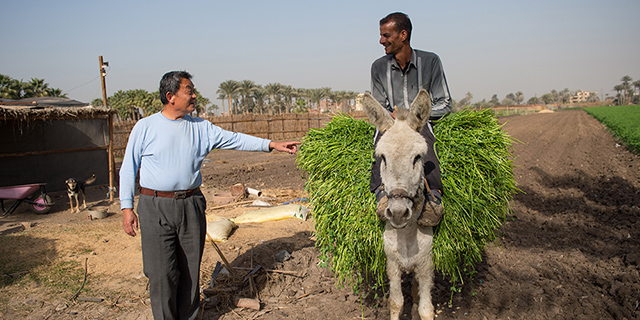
384 160
417 159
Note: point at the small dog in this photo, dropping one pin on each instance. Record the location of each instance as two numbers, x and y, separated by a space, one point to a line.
75 189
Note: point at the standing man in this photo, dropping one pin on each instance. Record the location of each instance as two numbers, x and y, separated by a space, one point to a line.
168 148
396 79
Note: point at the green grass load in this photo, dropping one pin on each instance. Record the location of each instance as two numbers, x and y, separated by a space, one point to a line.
477 175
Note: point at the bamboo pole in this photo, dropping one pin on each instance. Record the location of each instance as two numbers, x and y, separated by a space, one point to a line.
111 159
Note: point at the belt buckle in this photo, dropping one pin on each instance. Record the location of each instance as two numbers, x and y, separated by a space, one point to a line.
180 195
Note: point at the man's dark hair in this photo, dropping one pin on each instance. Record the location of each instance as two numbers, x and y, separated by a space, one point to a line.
401 20
171 83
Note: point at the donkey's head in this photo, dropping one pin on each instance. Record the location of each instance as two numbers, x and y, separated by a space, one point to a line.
401 150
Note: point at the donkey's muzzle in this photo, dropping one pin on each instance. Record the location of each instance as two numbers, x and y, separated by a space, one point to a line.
399 212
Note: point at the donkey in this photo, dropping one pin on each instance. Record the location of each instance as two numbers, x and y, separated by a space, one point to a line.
406 244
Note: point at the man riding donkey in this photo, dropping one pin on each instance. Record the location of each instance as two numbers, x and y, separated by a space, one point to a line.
396 79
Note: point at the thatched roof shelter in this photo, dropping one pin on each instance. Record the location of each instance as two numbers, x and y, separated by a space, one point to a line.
50 139
48 108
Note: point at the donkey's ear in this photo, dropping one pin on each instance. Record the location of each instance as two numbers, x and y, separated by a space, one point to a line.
420 110
377 114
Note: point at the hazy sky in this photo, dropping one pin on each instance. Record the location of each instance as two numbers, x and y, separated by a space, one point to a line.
487 47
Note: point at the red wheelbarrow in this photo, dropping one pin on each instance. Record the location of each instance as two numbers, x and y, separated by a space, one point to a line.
40 203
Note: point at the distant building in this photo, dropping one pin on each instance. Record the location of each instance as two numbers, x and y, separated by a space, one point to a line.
581 96
359 102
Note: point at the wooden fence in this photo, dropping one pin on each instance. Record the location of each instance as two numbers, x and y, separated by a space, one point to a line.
289 126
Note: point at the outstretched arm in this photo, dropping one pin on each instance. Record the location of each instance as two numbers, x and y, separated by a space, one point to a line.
284 146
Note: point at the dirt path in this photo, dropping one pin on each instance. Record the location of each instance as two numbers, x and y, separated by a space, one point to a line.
570 250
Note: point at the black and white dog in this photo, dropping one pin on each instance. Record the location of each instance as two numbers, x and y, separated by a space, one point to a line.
75 189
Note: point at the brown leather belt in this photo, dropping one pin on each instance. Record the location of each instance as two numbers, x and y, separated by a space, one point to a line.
169 194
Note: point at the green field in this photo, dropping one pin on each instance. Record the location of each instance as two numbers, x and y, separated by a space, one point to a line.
623 121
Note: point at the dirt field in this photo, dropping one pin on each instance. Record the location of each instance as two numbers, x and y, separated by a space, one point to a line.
570 250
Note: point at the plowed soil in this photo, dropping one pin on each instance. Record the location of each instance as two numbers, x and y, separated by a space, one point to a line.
569 250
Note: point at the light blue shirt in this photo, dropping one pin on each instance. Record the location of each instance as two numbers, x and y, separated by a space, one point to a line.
169 153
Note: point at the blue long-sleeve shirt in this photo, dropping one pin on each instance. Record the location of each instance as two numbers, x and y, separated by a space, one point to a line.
169 153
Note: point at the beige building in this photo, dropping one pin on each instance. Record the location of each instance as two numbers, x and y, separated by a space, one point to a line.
581 96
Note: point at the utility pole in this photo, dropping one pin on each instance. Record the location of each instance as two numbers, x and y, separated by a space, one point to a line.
103 74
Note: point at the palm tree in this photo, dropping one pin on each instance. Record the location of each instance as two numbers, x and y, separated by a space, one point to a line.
259 95
350 96
35 88
288 93
555 95
317 95
135 100
274 90
636 84
9 88
625 82
201 103
619 88
130 102
343 101
97 102
246 89
222 97
212 109
229 89
155 104
302 95
333 98
118 101
55 92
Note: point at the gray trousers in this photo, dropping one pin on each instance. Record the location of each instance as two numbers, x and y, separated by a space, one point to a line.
173 234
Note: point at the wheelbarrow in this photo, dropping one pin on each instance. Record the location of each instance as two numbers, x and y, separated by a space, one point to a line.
39 203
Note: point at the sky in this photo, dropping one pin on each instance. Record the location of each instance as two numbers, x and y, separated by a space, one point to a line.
486 47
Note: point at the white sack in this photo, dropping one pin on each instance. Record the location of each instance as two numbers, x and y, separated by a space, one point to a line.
274 213
219 228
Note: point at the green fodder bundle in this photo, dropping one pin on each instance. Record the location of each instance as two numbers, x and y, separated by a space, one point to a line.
338 161
477 175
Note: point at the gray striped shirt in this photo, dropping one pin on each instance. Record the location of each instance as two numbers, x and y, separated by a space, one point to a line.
390 83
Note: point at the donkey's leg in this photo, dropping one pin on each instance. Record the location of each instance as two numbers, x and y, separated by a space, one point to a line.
415 296
424 277
396 300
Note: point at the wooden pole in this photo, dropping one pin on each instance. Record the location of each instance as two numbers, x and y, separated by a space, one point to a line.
103 74
111 160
